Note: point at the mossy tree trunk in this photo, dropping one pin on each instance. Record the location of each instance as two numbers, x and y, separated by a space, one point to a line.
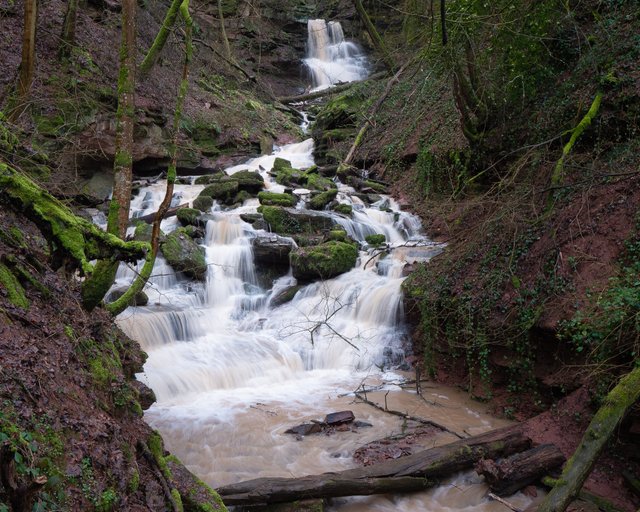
376 39
121 304
95 288
69 29
602 426
160 40
223 34
27 64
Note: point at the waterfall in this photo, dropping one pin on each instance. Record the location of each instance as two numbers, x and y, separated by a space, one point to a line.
330 58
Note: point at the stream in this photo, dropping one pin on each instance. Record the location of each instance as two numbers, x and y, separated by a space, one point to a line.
232 372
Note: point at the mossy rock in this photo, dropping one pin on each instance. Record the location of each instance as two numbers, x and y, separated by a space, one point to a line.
241 197
203 203
208 179
323 261
275 199
314 181
321 200
290 177
344 209
288 221
280 164
284 296
184 255
377 187
248 180
339 235
222 190
375 240
143 232
188 216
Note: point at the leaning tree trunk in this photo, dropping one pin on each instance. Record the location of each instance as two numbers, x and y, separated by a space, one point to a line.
377 41
27 64
160 40
95 288
121 304
69 29
223 33
602 426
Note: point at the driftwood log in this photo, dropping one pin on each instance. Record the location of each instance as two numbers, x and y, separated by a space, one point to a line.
411 473
511 474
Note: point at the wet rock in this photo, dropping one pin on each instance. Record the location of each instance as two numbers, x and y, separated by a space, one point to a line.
305 429
184 255
319 201
203 203
285 221
323 261
375 240
284 296
339 418
249 181
361 424
146 396
272 249
188 216
208 179
344 209
223 190
275 199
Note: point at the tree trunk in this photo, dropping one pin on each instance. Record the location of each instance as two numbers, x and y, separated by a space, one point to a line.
405 474
223 34
377 41
95 288
511 474
27 64
602 426
160 40
69 29
121 304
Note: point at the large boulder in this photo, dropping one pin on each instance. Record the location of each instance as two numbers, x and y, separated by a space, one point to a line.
323 261
184 255
222 190
275 199
272 249
321 200
248 180
287 221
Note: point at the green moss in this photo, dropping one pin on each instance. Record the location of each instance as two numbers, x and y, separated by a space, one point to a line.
177 500
275 199
14 289
183 254
323 261
188 216
223 190
345 209
316 182
203 203
279 220
320 201
134 481
339 235
156 447
375 240
108 500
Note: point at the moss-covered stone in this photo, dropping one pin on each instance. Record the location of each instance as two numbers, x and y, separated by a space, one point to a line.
203 203
275 199
284 296
290 221
142 232
375 240
344 209
339 235
314 181
320 201
13 288
323 261
222 190
188 216
184 255
208 179
248 180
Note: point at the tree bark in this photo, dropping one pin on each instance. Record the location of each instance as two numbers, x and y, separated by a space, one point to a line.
511 474
602 426
223 34
121 304
377 41
160 40
69 29
27 64
409 473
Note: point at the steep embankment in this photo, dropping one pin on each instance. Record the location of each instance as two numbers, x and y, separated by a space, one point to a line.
517 142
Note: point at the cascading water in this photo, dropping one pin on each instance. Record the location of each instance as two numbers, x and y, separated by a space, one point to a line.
330 58
231 372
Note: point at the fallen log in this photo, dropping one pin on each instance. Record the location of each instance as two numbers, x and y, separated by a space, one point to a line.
149 218
511 474
411 473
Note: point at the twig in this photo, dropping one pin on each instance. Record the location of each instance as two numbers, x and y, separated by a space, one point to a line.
504 502
407 416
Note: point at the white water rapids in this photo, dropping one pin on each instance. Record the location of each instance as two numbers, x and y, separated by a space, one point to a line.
231 373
